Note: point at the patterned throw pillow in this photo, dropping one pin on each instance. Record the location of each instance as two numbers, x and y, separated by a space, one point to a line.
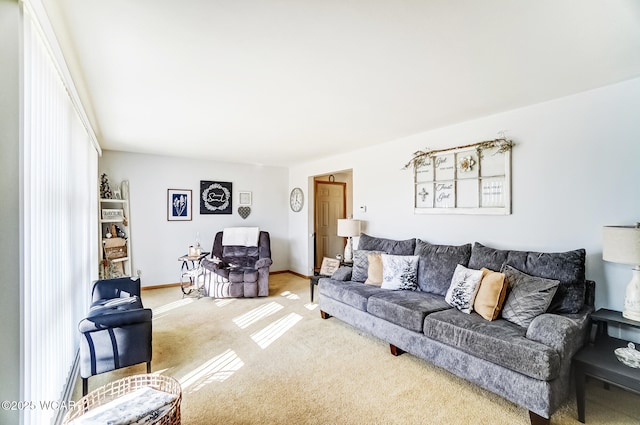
463 289
400 272
530 296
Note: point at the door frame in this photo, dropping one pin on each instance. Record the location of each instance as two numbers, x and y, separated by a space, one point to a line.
315 213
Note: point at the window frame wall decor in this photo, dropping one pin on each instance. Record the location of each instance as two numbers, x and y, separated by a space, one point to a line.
470 179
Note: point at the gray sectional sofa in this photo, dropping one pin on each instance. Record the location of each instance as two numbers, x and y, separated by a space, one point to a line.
528 365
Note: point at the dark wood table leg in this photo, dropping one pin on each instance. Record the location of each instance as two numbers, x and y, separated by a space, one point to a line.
580 380
311 280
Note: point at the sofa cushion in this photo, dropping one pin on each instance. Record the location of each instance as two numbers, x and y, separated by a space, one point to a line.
567 267
389 246
491 294
463 289
250 276
354 294
528 297
400 272
405 308
236 275
437 264
499 342
374 272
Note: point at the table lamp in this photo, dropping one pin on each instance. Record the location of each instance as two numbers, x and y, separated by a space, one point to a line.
347 228
621 244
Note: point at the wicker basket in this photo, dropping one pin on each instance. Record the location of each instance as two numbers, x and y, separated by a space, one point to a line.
123 386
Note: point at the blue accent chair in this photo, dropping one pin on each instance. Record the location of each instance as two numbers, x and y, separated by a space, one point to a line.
117 331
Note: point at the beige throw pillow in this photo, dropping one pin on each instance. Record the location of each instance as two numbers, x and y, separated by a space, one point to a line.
374 273
491 295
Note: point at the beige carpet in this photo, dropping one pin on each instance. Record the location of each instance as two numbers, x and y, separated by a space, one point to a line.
274 361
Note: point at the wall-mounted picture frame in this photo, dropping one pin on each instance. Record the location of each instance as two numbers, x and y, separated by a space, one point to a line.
215 197
244 198
179 204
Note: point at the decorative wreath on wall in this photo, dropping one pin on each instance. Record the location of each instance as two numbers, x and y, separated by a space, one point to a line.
420 157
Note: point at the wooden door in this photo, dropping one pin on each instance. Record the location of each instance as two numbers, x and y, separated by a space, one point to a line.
330 206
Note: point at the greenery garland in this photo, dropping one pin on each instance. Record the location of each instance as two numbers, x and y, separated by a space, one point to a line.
421 157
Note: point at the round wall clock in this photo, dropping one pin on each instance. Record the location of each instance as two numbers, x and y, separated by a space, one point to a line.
296 199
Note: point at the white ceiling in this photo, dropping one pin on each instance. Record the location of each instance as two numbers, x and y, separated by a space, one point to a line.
276 82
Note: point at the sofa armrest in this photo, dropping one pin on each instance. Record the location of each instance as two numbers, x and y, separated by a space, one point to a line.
263 262
342 274
564 334
115 318
115 288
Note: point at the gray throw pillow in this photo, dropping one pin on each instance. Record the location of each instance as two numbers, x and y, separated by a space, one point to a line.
528 298
437 264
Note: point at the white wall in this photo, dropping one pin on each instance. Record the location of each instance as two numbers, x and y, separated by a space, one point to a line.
10 213
575 168
157 243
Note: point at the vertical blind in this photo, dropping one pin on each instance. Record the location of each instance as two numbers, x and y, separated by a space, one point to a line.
59 224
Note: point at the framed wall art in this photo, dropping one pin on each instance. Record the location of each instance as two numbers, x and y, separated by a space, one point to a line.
215 197
471 179
179 205
244 198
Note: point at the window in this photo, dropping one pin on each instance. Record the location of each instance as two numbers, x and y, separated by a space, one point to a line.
58 230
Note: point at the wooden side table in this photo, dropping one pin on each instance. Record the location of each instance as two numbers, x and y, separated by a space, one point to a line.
598 360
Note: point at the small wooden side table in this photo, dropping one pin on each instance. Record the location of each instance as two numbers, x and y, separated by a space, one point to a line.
598 360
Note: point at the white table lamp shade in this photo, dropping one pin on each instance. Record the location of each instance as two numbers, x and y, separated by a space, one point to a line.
621 244
348 227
